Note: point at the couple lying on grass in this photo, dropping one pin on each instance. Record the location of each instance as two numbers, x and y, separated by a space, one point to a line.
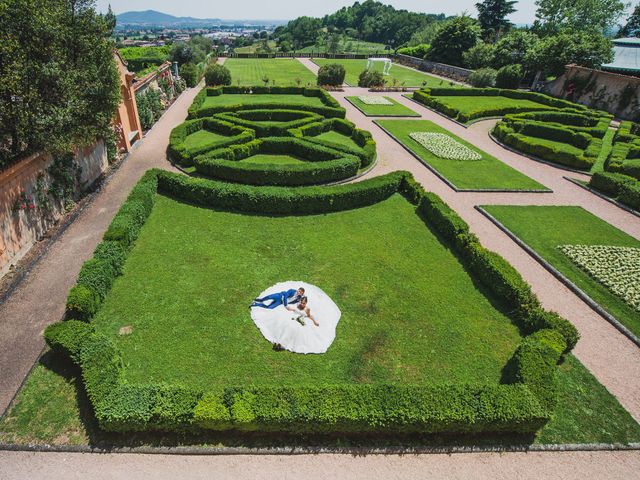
287 299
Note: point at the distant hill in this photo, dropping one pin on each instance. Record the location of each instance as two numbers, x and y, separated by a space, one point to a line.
154 18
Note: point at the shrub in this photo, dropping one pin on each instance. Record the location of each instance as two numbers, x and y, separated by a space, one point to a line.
509 76
217 75
630 196
67 338
483 77
189 72
371 79
611 184
82 303
418 51
331 74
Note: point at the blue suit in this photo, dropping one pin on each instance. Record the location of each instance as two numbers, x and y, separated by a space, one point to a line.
277 299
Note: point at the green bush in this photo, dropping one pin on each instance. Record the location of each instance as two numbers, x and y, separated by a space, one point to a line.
279 200
509 76
101 365
67 338
82 303
270 122
611 184
418 51
331 74
216 74
189 72
371 79
630 196
483 77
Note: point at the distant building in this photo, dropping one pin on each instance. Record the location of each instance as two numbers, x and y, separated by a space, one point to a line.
626 57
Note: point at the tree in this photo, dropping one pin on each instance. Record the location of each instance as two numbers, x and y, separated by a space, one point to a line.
632 27
59 84
509 76
453 39
181 53
513 47
587 49
217 75
189 72
492 16
553 16
479 56
331 74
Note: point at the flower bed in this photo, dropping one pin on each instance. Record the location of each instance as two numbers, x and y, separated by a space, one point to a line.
618 268
444 146
374 100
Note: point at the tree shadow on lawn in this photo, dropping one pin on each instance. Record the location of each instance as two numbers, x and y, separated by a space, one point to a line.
355 444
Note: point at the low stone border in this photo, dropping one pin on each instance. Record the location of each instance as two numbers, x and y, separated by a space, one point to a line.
295 450
397 115
603 196
438 113
449 183
537 159
568 283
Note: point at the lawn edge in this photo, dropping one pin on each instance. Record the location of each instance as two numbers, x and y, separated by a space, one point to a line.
296 450
414 115
451 184
556 273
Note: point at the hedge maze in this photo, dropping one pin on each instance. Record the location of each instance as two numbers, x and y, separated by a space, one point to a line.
288 128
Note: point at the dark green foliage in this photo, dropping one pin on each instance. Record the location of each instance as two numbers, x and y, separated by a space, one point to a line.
418 51
101 366
149 107
189 72
453 39
67 338
148 407
217 75
534 317
82 303
371 79
270 122
483 77
509 76
97 275
611 184
630 196
279 200
492 16
331 74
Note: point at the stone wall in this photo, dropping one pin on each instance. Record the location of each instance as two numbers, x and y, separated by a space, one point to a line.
615 93
26 212
450 71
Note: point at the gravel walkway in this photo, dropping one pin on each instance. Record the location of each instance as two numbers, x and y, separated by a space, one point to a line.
509 466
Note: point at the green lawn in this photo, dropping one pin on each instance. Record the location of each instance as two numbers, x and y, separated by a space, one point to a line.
487 173
337 138
258 99
284 71
193 271
410 77
347 45
272 159
607 144
200 138
468 104
395 110
544 228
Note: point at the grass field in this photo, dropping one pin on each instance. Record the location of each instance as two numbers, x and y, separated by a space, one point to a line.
282 71
544 228
257 99
395 110
272 159
468 104
193 272
201 138
487 173
404 75
337 138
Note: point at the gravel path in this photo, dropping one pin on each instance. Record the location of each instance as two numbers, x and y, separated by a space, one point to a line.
509 466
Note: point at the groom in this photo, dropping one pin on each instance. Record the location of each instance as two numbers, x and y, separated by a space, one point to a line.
280 298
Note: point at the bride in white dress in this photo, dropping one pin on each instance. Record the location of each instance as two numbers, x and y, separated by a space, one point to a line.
302 311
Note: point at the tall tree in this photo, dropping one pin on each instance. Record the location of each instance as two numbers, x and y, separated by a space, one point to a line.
632 27
453 39
492 16
552 16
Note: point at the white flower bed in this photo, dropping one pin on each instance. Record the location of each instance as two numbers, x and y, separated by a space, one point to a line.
617 268
444 146
374 100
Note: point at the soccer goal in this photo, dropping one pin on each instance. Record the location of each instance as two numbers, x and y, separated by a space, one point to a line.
385 68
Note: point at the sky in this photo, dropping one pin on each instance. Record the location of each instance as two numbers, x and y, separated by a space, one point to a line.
289 9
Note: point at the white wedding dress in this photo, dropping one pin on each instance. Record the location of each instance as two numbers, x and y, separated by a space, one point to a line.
282 326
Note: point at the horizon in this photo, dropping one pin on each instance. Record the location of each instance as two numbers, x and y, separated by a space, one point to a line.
288 9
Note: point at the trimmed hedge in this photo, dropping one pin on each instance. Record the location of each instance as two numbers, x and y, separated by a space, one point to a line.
180 154
611 184
556 154
271 122
279 200
522 406
331 108
324 164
